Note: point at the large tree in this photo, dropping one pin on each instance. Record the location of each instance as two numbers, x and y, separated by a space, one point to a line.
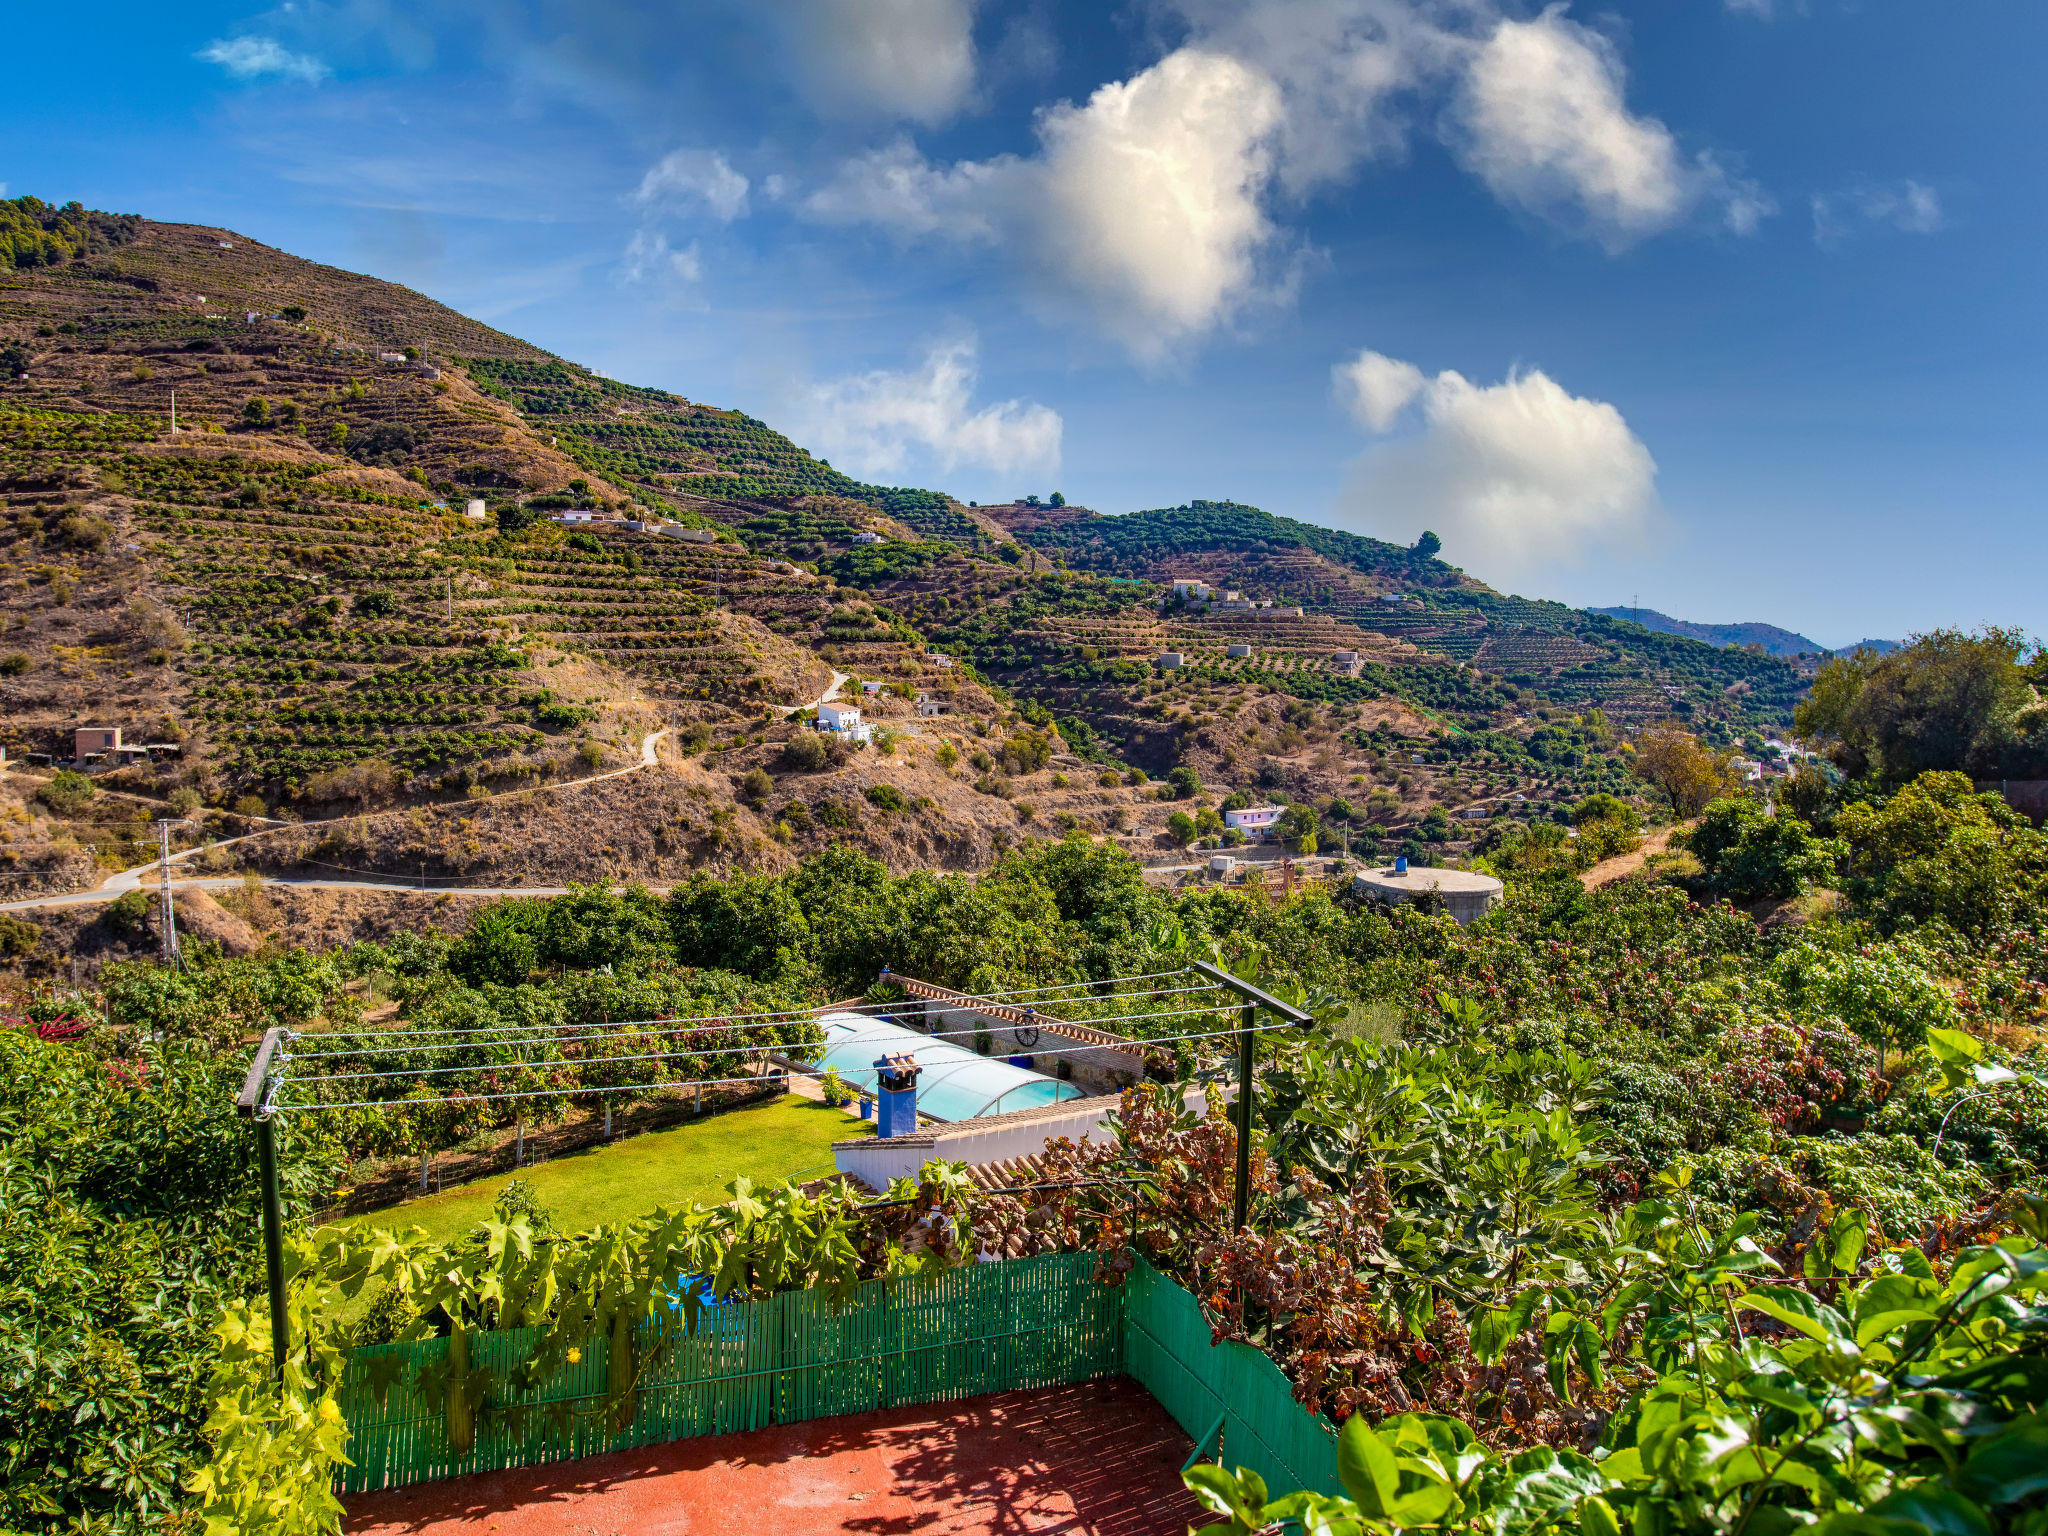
1672 758
1946 702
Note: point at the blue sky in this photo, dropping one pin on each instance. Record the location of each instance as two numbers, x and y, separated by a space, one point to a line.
1733 306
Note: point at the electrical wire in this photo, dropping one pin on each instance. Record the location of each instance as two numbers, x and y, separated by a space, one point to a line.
1058 986
705 1021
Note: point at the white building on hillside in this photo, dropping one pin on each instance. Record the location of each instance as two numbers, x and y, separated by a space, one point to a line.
1254 819
838 717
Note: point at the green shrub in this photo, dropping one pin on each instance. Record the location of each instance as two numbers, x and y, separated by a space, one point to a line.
1882 993
14 664
18 939
128 914
887 796
68 793
806 751
1748 853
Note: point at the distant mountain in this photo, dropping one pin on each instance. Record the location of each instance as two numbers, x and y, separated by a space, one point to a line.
1775 641
1878 646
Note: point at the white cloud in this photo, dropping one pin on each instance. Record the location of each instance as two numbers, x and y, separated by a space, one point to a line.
871 424
1143 204
1346 70
1762 8
251 58
911 59
1151 205
688 177
1546 125
1151 195
1910 207
649 255
899 190
1376 388
1509 475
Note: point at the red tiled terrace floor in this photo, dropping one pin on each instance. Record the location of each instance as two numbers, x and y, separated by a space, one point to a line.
1102 1459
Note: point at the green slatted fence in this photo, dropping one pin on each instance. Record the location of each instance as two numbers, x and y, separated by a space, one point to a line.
1167 1351
1037 1322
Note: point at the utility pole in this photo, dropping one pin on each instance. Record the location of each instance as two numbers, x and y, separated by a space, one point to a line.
163 834
1241 1111
174 413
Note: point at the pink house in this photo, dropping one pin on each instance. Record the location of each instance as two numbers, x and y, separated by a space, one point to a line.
1253 818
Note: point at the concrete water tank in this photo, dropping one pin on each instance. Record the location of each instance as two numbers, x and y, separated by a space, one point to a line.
1465 895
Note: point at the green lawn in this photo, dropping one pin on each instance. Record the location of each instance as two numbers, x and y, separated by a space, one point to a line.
786 1138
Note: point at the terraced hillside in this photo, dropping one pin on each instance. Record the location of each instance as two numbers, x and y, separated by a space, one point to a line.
1564 657
286 592
726 463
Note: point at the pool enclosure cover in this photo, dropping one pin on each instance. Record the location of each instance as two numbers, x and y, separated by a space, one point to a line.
953 1082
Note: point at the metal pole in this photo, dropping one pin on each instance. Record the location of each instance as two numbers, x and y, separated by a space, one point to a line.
163 838
252 1103
1242 1110
163 832
273 1242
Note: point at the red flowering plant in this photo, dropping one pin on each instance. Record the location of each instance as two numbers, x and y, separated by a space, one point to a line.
47 1016
1797 1078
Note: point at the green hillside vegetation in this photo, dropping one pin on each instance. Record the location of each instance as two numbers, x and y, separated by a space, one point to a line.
661 442
1141 538
35 234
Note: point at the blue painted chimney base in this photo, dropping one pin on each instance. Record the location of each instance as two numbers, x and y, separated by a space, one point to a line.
897 1112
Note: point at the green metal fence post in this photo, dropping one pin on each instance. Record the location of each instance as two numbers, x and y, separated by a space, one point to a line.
273 1241
251 1104
1241 1111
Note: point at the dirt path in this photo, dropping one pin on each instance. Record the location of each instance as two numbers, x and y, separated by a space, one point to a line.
1607 871
126 880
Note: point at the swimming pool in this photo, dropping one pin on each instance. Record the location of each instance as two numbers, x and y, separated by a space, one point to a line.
953 1083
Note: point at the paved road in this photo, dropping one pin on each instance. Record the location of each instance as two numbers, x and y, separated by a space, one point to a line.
124 881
